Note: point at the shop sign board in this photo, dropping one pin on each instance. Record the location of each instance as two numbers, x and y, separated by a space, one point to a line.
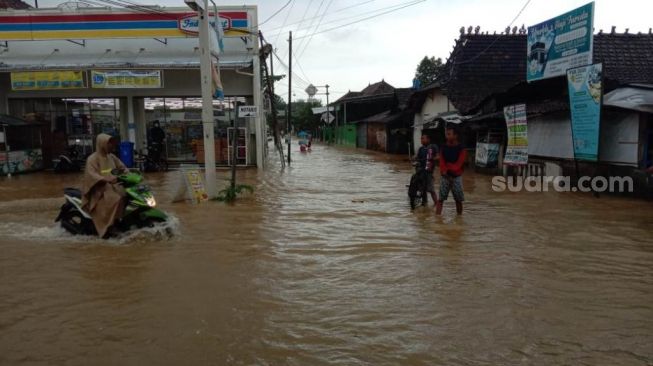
516 124
247 111
47 80
559 44
487 155
585 92
126 79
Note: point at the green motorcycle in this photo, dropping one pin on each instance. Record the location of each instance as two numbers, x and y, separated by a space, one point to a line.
140 210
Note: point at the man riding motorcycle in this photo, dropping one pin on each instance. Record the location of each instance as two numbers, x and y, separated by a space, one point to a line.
103 199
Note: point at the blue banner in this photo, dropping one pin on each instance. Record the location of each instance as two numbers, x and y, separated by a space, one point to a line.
561 43
585 91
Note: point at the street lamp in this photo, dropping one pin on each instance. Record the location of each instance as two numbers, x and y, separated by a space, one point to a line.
201 6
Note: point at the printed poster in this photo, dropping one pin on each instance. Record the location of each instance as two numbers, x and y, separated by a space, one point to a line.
585 92
487 155
126 79
517 147
195 183
47 80
561 43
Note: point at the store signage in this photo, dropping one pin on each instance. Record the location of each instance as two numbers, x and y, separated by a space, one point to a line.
190 24
247 111
517 149
487 155
107 24
561 43
585 92
47 80
126 79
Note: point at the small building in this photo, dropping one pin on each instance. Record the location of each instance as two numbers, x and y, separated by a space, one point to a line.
432 109
20 145
487 72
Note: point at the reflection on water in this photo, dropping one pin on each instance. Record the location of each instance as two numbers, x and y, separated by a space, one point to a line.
326 264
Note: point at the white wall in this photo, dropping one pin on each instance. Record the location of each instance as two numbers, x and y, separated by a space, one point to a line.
436 102
550 136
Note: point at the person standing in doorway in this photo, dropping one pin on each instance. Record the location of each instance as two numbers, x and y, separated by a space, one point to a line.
452 159
157 137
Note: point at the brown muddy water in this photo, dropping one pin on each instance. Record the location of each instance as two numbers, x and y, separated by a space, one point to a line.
325 264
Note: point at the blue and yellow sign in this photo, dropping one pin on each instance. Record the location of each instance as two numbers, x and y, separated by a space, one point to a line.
585 93
126 79
47 80
561 43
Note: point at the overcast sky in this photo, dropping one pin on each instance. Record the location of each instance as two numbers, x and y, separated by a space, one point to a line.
390 46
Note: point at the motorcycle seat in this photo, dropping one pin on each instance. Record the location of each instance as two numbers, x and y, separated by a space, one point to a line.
73 192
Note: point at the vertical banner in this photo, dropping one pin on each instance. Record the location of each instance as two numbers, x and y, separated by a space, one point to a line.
517 149
561 43
585 91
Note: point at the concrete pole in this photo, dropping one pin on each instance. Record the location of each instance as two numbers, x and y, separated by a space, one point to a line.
261 139
207 101
131 120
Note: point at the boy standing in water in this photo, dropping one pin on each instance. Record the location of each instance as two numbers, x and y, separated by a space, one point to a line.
426 156
452 158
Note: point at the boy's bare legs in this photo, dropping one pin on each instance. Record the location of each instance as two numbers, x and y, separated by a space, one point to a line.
438 208
459 207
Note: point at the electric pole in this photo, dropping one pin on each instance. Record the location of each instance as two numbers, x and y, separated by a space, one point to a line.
328 119
289 91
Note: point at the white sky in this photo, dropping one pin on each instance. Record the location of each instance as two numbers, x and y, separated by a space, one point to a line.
390 46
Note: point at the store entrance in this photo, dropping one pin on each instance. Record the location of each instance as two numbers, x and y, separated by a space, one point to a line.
181 120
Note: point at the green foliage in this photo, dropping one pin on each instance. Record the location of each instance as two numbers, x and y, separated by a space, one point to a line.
428 70
230 193
302 114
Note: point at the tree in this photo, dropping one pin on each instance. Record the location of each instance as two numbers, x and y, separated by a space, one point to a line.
428 70
302 114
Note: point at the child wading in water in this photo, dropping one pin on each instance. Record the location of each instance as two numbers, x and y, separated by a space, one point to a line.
452 158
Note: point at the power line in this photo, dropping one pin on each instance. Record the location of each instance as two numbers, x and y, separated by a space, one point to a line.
285 20
364 19
275 13
333 12
361 14
310 25
316 28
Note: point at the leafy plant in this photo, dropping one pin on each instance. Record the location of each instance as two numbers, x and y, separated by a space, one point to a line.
230 193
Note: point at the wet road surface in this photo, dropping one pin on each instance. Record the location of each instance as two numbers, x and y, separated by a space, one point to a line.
325 264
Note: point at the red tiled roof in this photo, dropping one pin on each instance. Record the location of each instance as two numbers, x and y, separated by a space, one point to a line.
13 4
483 65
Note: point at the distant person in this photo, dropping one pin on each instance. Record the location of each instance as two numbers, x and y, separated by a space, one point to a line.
452 158
102 198
426 157
157 137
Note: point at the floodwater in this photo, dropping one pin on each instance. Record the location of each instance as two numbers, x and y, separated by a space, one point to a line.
325 264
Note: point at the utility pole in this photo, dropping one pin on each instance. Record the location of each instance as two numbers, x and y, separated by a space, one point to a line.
328 108
289 91
207 98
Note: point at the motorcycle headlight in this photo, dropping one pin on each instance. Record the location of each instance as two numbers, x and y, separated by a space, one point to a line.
150 201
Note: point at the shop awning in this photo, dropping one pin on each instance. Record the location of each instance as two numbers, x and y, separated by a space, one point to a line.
635 97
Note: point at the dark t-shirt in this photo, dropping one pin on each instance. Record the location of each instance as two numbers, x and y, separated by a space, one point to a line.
425 156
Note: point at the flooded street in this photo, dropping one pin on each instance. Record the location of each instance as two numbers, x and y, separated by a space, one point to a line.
326 264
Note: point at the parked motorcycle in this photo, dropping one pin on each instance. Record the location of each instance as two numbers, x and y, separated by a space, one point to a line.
139 211
417 190
70 161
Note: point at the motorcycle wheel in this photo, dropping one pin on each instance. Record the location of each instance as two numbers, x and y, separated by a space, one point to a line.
75 223
413 192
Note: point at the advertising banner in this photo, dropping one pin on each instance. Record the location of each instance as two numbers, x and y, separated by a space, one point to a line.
487 155
561 43
126 79
585 91
517 149
107 24
47 80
